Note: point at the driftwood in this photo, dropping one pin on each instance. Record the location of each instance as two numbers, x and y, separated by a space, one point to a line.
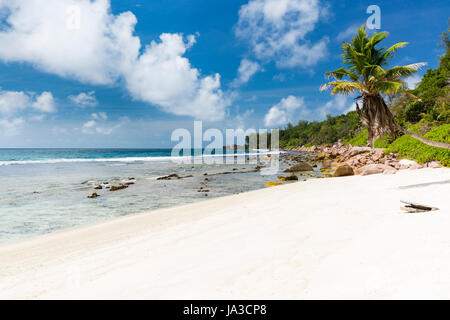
416 208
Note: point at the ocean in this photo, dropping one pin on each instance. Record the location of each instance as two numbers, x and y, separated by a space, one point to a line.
45 190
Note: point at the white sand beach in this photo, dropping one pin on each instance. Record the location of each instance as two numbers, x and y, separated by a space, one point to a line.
324 238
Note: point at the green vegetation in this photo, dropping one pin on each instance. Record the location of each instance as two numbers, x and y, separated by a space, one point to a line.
411 148
429 118
317 133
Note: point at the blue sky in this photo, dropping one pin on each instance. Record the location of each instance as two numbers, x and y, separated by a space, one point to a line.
77 73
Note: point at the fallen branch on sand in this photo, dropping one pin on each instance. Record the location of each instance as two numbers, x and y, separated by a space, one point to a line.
416 208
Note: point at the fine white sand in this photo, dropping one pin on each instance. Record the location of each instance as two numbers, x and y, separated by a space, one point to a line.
326 238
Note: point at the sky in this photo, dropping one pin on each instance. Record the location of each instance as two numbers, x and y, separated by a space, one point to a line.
127 73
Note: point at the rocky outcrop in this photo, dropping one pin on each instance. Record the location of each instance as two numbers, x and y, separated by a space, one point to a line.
119 187
375 169
343 170
407 164
174 176
301 166
291 177
93 196
433 164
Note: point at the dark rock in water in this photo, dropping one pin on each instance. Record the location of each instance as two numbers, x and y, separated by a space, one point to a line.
235 169
206 194
257 168
128 183
343 171
205 174
169 177
206 179
173 176
93 196
315 166
201 190
120 187
291 177
98 187
302 166
84 182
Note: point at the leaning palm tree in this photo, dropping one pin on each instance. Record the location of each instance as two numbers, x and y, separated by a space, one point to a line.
367 75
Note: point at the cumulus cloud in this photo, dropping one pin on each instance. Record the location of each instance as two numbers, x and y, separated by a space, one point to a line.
162 76
11 127
12 102
44 102
277 31
84 99
98 125
337 105
100 115
282 113
247 69
83 40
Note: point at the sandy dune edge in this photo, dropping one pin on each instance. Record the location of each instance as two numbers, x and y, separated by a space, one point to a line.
325 238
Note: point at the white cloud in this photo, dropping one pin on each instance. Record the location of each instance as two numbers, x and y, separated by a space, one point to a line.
11 127
89 124
413 81
84 99
162 76
102 50
283 112
12 102
277 30
37 117
348 33
337 105
247 69
44 103
98 125
100 115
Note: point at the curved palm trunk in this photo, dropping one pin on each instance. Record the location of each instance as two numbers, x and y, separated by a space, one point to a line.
379 120
422 139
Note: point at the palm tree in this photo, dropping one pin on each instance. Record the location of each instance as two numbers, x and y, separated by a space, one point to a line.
367 75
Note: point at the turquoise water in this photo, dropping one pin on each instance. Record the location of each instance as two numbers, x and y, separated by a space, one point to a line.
30 156
10 155
44 190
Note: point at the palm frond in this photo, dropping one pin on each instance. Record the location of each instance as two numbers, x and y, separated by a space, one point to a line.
340 73
375 39
343 87
393 49
388 87
399 72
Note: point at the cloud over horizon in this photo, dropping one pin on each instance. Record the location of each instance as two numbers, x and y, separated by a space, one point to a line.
283 112
84 41
14 102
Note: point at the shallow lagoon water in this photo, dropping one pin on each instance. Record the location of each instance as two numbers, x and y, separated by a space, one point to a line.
45 195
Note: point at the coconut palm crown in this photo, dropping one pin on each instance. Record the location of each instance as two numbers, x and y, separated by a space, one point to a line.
367 74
